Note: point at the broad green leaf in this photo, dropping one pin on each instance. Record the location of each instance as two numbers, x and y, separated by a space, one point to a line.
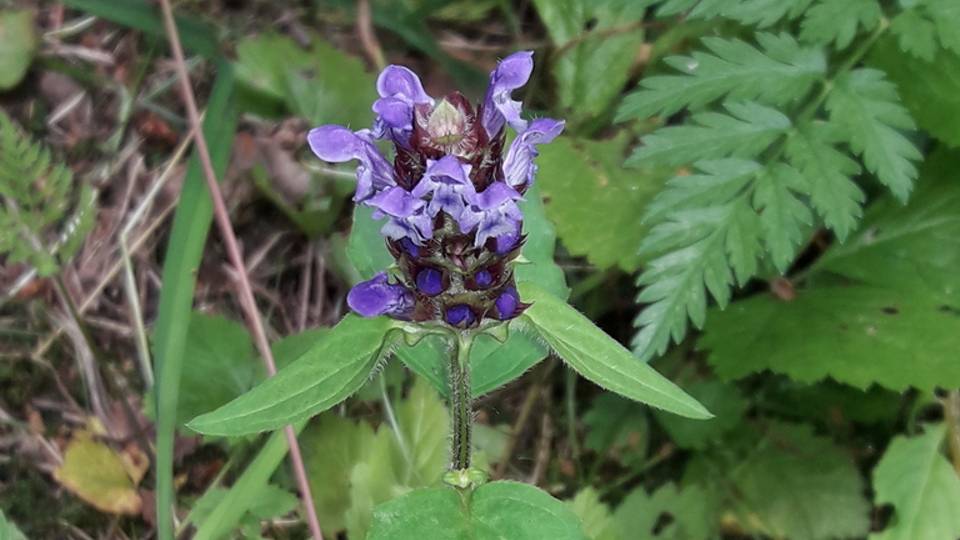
594 201
723 399
493 510
321 84
19 45
425 427
9 529
692 513
221 365
795 484
265 502
590 72
832 21
332 446
747 130
922 486
617 429
865 106
598 357
884 302
598 522
328 373
99 476
373 481
779 72
929 87
539 247
855 334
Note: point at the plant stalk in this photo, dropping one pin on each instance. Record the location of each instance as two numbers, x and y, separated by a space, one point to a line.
951 414
460 403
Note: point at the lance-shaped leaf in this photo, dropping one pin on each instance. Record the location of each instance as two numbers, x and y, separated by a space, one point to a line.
329 372
599 358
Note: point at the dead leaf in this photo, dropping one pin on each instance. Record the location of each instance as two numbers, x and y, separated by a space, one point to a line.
95 473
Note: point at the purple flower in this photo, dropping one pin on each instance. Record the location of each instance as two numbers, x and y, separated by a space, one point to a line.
449 197
379 297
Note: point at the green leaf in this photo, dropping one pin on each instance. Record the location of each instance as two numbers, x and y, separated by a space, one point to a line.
539 247
598 522
946 15
833 21
594 201
617 428
801 486
492 510
921 485
366 247
829 176
222 365
19 45
930 88
328 373
885 302
592 71
264 502
332 446
691 511
762 13
321 84
598 357
784 218
181 259
424 426
779 72
709 238
747 130
858 335
915 34
865 106
9 529
727 405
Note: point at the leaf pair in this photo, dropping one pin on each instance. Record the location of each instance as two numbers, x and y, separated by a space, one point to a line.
339 363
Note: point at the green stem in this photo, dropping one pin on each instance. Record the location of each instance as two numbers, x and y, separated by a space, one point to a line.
460 403
951 414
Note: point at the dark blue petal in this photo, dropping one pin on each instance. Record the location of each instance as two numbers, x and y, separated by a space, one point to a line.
430 281
483 279
507 303
460 315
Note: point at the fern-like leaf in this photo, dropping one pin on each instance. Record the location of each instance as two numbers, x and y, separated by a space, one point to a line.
36 196
829 174
865 106
698 247
916 34
783 216
839 20
747 130
777 73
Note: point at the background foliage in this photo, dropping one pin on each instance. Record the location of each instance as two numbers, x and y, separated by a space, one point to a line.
760 196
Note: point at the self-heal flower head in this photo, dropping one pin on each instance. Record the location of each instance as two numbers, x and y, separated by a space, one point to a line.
449 199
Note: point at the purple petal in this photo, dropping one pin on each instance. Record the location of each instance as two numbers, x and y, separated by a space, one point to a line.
417 228
379 297
507 303
507 242
430 281
337 144
518 166
400 82
460 315
496 222
446 170
396 202
394 113
495 195
446 199
511 73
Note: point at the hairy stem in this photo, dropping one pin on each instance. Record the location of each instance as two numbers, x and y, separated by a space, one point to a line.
951 413
460 403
